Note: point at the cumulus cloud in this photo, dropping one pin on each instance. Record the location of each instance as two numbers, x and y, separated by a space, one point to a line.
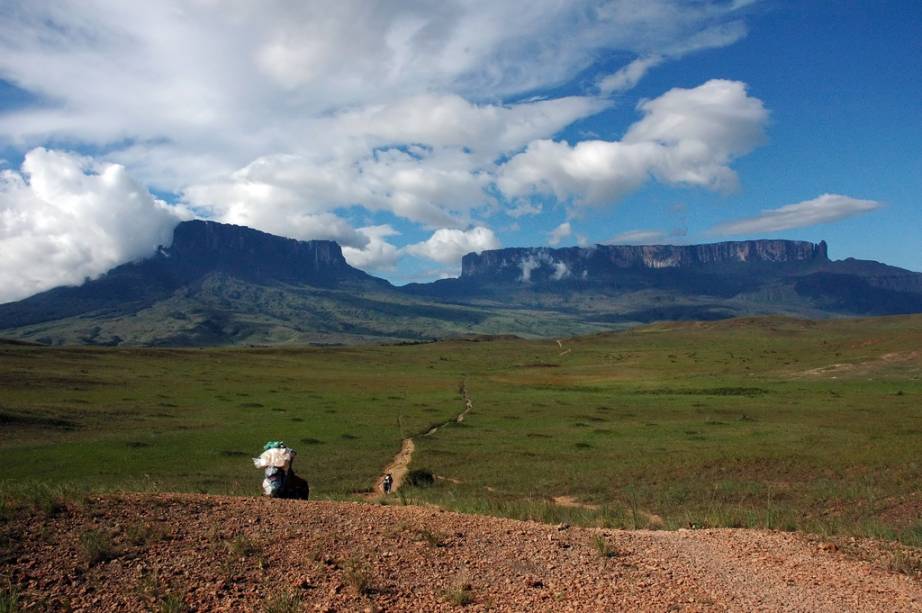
64 218
447 245
686 137
278 115
377 254
449 120
227 83
822 209
434 188
559 233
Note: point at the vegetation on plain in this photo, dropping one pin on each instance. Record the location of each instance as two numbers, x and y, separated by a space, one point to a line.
765 422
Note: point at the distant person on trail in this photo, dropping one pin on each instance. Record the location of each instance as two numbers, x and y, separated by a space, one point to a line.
281 480
388 483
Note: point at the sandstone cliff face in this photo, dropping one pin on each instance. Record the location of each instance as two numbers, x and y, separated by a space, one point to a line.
603 260
229 245
229 248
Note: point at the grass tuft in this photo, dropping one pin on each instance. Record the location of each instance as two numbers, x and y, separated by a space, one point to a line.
603 548
460 593
96 546
433 538
142 533
283 602
358 575
172 603
9 599
905 563
241 546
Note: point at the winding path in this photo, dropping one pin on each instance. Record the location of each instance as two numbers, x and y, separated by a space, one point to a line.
399 466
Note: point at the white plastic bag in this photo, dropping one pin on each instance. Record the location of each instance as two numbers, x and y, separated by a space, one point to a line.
276 462
277 457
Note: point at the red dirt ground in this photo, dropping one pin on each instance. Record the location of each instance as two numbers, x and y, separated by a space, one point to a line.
214 553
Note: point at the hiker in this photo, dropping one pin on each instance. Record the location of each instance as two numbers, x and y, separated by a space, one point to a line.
388 483
281 480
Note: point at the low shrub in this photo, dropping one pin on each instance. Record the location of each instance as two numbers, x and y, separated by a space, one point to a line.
419 477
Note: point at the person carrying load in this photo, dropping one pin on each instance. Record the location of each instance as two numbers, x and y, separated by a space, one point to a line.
280 479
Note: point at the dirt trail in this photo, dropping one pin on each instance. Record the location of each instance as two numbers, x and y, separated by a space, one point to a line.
459 418
399 466
564 351
237 554
573 503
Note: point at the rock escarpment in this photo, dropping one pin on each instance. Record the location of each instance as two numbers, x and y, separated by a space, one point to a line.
251 254
218 284
604 261
203 254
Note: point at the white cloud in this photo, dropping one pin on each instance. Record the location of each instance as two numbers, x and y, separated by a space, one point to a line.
377 254
686 137
279 114
823 209
559 233
199 89
528 266
448 245
561 271
64 218
522 209
628 76
451 121
207 65
543 259
638 237
705 126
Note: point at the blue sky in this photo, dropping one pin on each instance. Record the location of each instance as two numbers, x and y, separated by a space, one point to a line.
414 133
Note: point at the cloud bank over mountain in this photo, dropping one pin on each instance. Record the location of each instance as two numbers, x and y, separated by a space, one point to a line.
404 131
65 218
282 116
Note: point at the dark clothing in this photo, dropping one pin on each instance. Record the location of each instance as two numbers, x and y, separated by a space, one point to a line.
294 487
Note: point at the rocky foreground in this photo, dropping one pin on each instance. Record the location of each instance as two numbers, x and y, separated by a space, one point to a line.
212 553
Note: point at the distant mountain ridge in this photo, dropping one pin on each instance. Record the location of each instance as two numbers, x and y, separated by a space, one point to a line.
199 248
224 284
610 260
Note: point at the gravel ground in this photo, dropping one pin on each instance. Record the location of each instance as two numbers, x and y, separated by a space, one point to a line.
213 553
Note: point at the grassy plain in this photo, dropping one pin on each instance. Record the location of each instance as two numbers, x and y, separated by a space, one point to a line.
765 422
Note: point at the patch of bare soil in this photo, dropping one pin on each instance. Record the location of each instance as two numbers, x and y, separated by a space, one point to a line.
571 502
215 553
866 367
